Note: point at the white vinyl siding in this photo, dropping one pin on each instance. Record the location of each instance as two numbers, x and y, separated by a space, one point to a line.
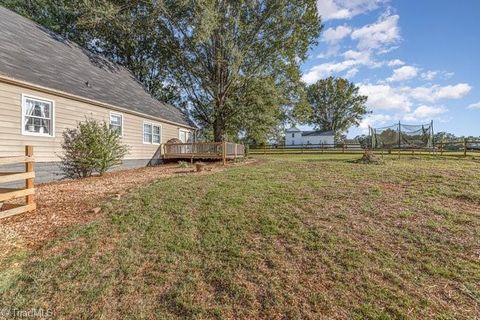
67 113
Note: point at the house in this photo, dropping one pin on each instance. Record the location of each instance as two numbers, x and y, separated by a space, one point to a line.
49 84
297 137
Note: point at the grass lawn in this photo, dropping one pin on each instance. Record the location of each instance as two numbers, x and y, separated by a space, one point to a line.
312 236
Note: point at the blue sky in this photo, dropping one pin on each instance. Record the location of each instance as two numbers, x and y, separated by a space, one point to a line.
416 60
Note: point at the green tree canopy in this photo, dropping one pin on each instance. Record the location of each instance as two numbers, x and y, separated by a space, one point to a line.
333 104
224 52
216 59
125 31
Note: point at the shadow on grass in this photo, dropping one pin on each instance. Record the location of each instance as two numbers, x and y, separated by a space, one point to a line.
344 160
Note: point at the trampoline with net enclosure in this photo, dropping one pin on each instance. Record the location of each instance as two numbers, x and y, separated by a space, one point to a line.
403 136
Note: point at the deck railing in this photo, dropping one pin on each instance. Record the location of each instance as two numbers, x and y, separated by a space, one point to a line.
203 150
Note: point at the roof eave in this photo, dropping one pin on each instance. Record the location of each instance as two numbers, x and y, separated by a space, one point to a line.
28 85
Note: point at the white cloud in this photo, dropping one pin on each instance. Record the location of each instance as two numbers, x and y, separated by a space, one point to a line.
403 73
453 92
395 62
384 97
424 112
353 59
351 73
327 69
345 9
432 74
334 35
429 75
375 120
384 32
474 105
436 92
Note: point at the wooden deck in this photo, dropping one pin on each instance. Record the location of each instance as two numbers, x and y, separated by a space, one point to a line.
204 150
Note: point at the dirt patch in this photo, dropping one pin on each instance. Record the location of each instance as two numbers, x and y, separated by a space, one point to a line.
65 203
369 158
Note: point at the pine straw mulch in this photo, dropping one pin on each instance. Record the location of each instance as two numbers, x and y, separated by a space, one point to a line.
65 203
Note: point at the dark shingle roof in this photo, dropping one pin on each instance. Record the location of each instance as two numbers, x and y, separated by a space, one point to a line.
317 133
31 53
293 129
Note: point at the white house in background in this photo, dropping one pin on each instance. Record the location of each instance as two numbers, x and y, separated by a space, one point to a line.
297 137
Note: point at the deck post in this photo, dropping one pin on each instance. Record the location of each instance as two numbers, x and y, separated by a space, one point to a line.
29 168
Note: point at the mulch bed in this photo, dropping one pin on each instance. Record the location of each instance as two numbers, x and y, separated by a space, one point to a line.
70 202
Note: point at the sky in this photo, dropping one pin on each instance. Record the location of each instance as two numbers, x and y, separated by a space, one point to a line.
416 60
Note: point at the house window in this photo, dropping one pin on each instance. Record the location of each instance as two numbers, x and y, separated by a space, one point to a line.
293 135
116 122
184 136
37 115
156 134
151 133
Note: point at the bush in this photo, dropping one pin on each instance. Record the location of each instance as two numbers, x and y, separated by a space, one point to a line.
90 148
183 164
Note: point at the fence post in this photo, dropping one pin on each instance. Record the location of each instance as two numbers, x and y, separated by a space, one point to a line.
29 168
441 147
224 150
465 147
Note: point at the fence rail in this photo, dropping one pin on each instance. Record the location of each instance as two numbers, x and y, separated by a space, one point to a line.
7 194
458 148
203 150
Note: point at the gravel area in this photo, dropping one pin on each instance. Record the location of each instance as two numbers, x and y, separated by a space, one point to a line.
64 203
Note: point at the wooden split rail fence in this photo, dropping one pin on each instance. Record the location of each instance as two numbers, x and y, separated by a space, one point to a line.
463 147
7 194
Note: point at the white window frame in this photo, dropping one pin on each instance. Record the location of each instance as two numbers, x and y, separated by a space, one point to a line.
186 131
110 121
152 125
52 116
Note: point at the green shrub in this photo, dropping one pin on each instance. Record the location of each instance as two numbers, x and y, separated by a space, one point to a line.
183 164
92 147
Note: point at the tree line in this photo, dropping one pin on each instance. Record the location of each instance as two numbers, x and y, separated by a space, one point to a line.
232 66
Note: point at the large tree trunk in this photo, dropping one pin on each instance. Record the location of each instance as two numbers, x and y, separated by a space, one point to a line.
219 122
218 130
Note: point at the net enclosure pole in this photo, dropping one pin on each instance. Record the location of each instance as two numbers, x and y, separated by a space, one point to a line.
399 135
372 137
433 136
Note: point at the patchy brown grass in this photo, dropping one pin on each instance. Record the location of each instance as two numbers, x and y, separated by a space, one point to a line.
294 237
65 203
